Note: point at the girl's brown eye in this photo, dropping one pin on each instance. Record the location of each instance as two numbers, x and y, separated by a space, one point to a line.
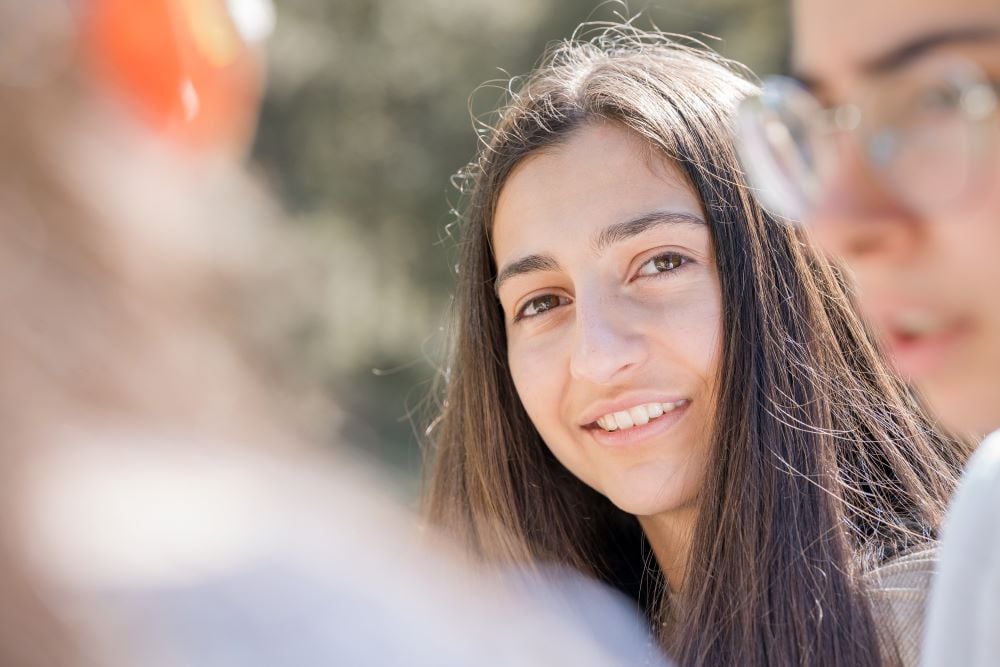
662 263
539 305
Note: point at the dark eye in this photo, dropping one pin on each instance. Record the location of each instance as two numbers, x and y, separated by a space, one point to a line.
539 305
662 264
939 99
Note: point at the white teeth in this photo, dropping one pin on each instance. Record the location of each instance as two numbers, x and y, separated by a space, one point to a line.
624 419
637 416
916 323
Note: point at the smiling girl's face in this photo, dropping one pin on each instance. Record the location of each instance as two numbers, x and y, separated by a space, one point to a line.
612 303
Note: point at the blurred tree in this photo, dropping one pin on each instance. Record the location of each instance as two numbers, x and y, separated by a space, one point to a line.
366 118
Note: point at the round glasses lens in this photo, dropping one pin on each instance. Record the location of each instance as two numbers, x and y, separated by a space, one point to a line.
930 130
782 146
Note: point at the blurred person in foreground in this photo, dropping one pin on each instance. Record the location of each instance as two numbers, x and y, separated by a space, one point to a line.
158 505
885 143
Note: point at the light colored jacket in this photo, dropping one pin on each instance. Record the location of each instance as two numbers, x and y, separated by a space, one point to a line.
963 624
899 590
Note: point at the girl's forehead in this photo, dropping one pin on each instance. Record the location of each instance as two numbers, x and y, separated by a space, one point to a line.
601 175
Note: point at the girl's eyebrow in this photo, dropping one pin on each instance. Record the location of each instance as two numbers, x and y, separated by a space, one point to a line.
606 237
620 231
524 265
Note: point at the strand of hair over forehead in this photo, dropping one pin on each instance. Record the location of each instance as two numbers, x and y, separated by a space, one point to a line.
592 42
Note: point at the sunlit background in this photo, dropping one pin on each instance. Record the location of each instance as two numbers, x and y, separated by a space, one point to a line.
367 115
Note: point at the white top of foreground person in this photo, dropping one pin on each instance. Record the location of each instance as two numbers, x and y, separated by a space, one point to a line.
171 552
963 625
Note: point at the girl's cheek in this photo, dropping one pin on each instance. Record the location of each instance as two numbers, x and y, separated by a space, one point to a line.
535 370
689 324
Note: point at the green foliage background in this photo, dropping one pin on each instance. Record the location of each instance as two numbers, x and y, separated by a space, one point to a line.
367 116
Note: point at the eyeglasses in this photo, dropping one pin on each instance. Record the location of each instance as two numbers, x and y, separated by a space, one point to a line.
928 134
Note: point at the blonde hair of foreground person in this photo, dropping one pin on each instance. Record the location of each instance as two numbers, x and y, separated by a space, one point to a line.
158 509
821 466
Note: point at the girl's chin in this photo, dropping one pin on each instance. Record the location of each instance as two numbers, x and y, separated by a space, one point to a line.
662 485
646 505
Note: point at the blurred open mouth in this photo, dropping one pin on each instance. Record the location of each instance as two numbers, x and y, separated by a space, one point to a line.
917 343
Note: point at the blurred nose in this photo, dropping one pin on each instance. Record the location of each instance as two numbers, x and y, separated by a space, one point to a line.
856 217
607 344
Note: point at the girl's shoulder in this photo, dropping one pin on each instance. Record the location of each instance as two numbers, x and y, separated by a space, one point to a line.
906 574
898 590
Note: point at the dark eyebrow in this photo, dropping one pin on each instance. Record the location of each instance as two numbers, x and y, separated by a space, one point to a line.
608 236
907 52
624 230
525 265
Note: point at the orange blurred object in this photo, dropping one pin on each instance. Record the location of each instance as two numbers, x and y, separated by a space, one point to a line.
181 63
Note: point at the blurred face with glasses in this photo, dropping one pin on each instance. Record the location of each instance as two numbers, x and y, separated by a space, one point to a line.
886 145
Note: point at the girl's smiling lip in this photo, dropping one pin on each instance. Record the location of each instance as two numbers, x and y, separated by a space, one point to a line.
639 434
625 403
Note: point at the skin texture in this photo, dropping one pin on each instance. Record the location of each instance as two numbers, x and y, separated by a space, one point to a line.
620 331
938 269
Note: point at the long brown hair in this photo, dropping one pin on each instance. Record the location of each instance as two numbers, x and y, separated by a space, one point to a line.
822 466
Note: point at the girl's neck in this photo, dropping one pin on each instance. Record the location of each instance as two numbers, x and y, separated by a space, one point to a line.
669 535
